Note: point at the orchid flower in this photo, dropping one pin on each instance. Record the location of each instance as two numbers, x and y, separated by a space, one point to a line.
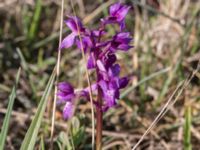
101 54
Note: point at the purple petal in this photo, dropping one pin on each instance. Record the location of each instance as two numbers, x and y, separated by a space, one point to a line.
122 25
103 85
103 72
102 44
97 33
68 110
66 87
111 97
93 87
68 41
109 20
73 23
62 97
83 93
65 92
122 13
114 70
101 66
123 82
123 38
114 8
119 11
86 43
109 59
114 83
124 47
123 35
91 61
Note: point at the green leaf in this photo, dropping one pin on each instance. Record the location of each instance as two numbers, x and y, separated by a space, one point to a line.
42 146
77 131
63 141
6 121
31 135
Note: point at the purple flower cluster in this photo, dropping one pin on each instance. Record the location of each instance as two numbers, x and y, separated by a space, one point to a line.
101 53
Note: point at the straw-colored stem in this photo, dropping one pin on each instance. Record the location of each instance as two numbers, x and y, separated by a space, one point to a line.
57 75
88 77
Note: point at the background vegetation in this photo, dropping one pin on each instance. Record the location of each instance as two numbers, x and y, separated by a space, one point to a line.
166 52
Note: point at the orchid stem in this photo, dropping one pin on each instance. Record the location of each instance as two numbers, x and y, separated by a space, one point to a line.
99 122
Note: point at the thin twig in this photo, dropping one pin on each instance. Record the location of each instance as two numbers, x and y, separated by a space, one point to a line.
157 118
57 74
168 105
88 77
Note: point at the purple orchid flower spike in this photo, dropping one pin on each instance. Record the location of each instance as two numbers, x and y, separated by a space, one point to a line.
100 51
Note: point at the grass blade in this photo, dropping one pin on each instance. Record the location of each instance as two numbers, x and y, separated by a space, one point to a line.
27 70
6 121
31 135
35 21
187 129
153 75
42 145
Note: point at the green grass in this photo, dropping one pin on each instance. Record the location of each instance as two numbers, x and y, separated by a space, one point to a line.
35 20
160 64
7 118
187 129
31 135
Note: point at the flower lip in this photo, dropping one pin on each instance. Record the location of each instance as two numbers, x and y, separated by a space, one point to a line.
110 94
65 92
114 70
68 110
